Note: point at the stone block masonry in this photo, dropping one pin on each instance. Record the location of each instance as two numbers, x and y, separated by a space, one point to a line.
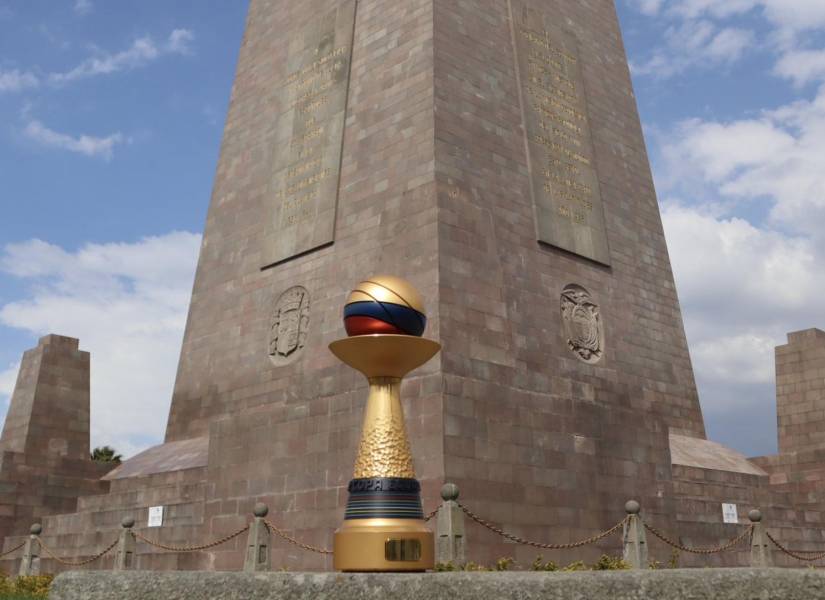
704 584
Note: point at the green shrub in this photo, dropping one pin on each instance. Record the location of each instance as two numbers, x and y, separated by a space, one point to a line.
540 565
610 563
25 588
504 564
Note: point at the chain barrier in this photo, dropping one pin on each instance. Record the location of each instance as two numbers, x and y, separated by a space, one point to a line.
292 540
70 563
223 540
519 540
15 549
798 553
703 551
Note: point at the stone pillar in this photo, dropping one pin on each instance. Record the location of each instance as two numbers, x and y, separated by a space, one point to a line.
258 554
800 392
30 565
48 413
450 528
125 556
760 544
635 537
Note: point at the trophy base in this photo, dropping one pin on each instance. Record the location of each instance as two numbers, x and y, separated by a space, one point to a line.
384 545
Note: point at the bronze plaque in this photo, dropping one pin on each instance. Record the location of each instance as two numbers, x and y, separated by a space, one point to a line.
303 193
402 550
564 180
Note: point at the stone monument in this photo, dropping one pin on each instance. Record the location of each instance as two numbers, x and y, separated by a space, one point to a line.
491 153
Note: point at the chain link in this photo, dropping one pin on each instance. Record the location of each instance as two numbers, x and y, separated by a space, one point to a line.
794 554
15 549
432 514
223 540
704 551
292 540
519 540
70 563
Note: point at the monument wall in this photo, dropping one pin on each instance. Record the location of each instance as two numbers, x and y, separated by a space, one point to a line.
545 189
283 414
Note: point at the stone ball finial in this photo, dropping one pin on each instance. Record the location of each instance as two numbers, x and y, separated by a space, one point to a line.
260 510
632 507
36 529
449 492
755 515
127 522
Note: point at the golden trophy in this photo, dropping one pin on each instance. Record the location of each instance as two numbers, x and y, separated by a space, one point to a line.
384 528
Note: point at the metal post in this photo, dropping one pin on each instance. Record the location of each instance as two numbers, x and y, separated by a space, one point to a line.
258 555
635 537
450 528
125 556
760 548
30 565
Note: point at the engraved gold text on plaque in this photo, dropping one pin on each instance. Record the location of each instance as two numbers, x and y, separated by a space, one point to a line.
565 184
303 193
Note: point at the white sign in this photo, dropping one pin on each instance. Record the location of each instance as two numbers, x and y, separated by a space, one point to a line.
729 513
155 516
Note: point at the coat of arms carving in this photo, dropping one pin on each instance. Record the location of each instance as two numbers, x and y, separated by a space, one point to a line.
582 324
290 323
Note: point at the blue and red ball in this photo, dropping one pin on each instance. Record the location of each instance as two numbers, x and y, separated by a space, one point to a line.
385 305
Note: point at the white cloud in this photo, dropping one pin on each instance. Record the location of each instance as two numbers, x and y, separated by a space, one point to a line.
17 81
693 9
787 20
83 7
648 7
142 52
84 144
742 289
696 43
127 303
8 378
729 44
802 66
180 41
777 159
746 242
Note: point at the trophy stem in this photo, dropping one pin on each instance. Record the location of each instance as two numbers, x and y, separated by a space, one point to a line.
384 450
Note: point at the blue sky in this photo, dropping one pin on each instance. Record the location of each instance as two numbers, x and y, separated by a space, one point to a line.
112 115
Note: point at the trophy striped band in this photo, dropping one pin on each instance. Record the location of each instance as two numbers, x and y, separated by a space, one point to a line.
384 498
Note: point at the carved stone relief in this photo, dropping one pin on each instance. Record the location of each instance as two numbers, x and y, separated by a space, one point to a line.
290 323
582 324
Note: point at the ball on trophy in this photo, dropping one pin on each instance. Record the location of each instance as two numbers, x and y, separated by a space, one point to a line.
385 305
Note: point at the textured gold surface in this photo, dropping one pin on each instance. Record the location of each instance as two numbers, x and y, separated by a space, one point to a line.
386 288
384 450
360 545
